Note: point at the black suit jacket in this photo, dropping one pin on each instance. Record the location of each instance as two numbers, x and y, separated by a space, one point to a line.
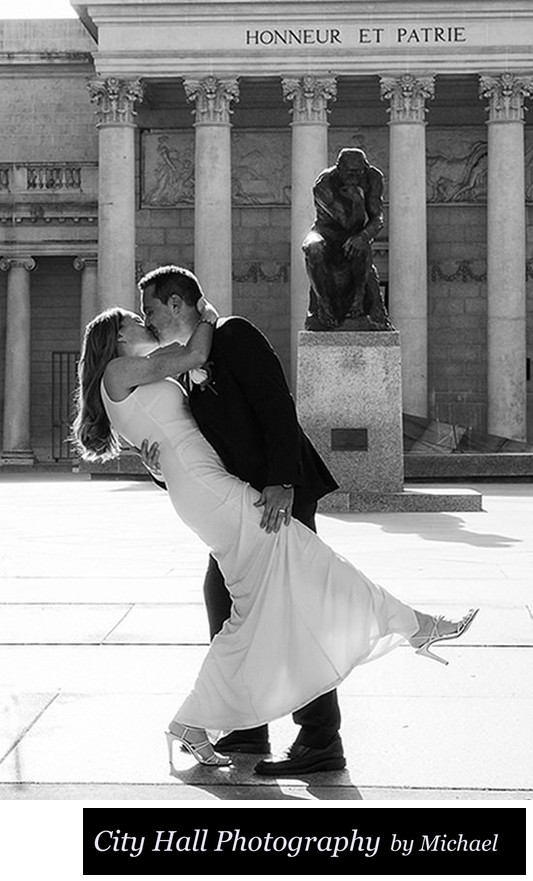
248 415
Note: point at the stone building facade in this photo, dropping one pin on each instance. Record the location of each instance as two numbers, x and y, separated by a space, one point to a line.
191 133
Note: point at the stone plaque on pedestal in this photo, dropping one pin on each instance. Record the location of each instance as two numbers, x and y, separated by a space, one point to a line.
349 403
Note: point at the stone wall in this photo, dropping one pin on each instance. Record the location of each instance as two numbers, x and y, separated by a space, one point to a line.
457 314
45 112
47 120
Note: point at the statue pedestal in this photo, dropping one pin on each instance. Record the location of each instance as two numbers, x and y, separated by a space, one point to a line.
349 403
349 399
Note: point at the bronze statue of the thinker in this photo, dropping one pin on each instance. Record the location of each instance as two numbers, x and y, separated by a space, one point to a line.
345 292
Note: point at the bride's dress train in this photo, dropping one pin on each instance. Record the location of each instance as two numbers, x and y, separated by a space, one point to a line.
302 615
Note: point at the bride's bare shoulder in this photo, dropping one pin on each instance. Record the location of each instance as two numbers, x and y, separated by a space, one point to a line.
115 379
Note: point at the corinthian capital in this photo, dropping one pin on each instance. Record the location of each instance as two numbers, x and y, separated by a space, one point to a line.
407 95
115 99
213 98
506 93
310 96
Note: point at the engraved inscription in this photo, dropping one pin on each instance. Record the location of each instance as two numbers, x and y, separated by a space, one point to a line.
349 439
297 37
412 34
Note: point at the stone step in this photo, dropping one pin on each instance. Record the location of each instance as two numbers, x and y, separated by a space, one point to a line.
410 500
493 466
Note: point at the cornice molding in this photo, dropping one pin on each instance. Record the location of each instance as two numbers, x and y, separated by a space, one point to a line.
382 63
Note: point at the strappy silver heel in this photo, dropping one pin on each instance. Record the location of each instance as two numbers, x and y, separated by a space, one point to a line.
436 635
202 751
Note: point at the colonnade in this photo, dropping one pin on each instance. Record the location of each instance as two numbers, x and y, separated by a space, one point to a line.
309 98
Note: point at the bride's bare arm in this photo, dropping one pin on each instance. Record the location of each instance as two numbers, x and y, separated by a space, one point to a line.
125 373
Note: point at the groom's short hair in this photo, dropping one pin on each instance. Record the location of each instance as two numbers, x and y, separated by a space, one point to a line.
169 280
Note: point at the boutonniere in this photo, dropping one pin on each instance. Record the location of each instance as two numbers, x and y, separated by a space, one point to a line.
203 377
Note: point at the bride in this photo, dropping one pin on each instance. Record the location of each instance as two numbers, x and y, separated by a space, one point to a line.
302 616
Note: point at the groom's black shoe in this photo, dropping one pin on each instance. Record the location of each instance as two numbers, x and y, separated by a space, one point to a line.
245 742
304 760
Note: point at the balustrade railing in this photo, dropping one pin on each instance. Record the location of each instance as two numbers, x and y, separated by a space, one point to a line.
53 177
48 177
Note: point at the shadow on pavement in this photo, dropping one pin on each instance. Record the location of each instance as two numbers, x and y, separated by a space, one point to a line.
440 527
238 783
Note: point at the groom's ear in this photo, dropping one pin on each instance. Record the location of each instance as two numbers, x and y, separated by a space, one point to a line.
176 303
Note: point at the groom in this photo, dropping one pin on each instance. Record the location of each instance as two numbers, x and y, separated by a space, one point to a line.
244 408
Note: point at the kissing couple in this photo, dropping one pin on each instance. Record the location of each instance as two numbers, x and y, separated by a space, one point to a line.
289 618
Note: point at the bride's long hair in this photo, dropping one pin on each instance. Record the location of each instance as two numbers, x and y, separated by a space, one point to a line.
92 433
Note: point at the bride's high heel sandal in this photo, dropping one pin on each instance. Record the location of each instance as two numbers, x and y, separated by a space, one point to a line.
423 643
202 750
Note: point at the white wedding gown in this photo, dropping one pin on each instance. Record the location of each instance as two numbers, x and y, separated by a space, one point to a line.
302 615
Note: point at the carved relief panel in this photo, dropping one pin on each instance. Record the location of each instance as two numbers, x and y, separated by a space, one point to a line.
260 168
167 168
457 164
261 164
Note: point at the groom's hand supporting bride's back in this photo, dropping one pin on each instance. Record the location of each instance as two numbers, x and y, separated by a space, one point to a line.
149 454
277 502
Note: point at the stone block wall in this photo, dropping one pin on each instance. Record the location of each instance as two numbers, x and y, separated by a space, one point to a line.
46 116
457 314
47 120
261 273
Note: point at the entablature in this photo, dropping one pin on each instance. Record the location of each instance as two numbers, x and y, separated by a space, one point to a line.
335 36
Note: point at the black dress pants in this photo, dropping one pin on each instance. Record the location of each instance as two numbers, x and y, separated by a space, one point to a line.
319 720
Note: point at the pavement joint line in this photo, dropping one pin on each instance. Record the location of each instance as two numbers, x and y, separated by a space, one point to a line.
125 615
93 603
28 727
101 644
93 643
295 782
471 789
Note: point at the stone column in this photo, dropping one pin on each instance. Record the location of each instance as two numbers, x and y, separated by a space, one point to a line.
212 186
115 101
309 96
89 289
506 254
17 442
407 231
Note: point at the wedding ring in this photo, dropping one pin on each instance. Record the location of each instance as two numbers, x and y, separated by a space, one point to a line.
282 511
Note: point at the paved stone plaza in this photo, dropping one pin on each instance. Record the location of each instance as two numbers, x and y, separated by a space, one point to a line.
102 629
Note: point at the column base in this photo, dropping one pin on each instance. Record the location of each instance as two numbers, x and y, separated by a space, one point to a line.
17 457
